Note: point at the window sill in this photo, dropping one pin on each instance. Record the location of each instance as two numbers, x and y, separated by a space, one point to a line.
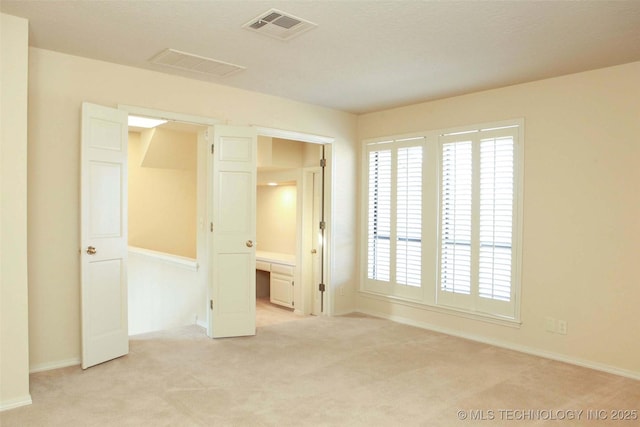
482 317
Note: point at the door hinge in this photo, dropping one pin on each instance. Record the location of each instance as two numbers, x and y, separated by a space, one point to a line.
323 163
211 148
211 227
293 303
322 225
211 304
292 283
321 287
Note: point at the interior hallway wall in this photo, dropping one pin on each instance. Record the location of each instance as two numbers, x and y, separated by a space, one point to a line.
58 84
277 219
162 200
581 236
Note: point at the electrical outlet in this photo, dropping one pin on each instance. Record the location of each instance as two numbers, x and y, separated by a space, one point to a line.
550 324
562 327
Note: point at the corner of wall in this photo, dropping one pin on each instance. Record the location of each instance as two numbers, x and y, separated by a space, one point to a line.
14 328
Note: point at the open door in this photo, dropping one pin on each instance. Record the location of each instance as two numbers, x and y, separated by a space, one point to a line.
232 303
103 235
316 245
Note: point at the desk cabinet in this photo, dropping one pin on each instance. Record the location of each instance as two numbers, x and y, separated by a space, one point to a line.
281 284
281 274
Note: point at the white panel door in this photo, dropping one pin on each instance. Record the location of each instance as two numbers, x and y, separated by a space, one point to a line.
316 244
233 266
103 235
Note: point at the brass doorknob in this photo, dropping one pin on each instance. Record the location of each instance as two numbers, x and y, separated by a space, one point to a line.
91 250
249 244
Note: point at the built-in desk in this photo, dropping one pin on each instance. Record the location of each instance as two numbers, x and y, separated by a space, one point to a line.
281 268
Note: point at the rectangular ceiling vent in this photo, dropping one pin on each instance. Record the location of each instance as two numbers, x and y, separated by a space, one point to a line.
199 64
280 25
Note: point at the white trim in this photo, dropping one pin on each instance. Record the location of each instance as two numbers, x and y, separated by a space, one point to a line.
508 123
170 116
509 346
188 263
54 365
399 138
295 136
16 403
453 311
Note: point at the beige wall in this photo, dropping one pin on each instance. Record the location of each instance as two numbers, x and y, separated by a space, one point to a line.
277 153
162 200
276 218
581 236
14 328
58 84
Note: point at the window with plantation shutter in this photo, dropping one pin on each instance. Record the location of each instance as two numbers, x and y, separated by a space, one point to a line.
442 226
394 215
477 219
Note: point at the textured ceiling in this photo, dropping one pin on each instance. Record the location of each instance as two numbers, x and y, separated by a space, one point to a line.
364 55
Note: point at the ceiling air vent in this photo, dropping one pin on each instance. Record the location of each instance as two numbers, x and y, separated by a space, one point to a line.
280 25
190 62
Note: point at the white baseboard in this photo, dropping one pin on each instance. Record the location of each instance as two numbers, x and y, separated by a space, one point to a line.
15 403
510 346
201 323
54 365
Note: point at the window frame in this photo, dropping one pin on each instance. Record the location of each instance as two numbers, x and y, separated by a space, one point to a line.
427 295
391 288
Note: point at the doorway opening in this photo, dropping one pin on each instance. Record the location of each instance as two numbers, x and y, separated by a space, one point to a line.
289 239
193 306
164 284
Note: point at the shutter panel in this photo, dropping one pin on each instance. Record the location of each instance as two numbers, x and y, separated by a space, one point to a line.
379 216
456 214
409 216
496 217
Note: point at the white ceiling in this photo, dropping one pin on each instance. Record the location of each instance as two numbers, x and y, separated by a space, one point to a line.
364 55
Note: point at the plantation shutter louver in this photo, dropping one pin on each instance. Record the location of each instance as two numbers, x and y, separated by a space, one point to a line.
455 256
496 217
379 216
409 216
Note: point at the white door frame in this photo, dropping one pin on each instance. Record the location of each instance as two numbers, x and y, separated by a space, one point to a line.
307 292
204 259
203 186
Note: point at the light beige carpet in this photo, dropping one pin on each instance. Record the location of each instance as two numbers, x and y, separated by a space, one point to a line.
315 371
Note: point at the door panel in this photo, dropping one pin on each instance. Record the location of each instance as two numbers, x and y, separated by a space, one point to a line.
105 209
233 285
235 218
106 318
103 235
234 299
